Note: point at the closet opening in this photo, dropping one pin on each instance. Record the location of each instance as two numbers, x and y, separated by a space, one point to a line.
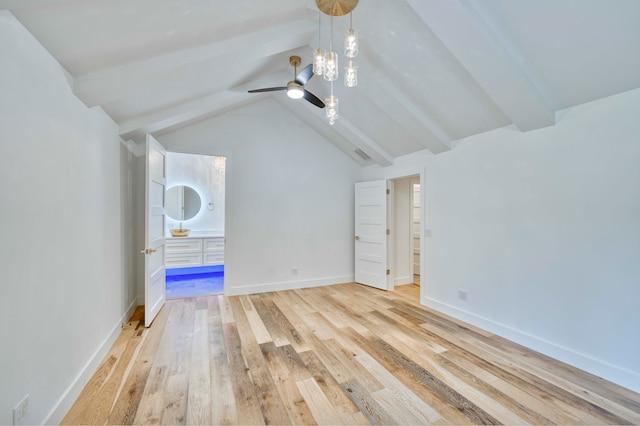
406 235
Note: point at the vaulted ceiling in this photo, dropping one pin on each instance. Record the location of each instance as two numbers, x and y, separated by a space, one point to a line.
430 71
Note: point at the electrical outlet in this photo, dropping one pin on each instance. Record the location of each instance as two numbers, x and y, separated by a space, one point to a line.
462 294
294 271
21 411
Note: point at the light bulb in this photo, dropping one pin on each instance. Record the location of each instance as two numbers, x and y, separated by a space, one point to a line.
294 90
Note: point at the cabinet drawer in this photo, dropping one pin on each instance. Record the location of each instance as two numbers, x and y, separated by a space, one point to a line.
214 257
213 244
182 260
184 246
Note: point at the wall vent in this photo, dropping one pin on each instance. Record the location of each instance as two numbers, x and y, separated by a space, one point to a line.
362 154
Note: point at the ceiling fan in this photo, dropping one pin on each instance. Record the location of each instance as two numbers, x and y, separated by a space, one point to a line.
295 88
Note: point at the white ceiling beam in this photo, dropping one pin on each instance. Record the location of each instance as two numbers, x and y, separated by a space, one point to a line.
362 141
139 78
188 111
21 4
278 79
479 49
393 101
345 129
313 118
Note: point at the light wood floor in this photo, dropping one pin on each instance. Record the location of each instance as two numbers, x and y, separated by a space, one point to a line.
344 354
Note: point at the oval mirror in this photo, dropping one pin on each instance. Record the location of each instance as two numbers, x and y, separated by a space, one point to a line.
182 203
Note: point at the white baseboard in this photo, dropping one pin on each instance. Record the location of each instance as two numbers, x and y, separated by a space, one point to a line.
67 399
287 285
607 371
403 280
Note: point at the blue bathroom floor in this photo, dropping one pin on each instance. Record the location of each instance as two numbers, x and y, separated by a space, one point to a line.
193 285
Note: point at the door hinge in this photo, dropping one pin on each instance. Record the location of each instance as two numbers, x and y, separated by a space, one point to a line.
388 271
388 231
388 191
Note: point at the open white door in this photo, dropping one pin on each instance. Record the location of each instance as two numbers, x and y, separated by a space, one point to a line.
154 229
371 234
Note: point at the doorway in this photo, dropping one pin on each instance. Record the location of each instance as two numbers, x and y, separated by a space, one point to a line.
195 211
416 214
406 242
388 234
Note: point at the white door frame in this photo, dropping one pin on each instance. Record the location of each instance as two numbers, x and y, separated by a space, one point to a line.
420 236
425 233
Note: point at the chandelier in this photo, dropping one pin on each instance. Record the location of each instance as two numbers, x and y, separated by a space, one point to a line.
325 64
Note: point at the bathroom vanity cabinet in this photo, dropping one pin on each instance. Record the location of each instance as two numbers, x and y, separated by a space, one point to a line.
184 252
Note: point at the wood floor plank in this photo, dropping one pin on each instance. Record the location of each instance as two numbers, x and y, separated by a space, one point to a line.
223 404
257 323
401 397
368 406
292 335
479 392
411 374
226 312
175 400
332 390
286 367
151 406
408 290
395 407
503 360
342 354
279 336
152 403
552 372
199 401
96 385
133 383
321 408
271 405
247 404
180 350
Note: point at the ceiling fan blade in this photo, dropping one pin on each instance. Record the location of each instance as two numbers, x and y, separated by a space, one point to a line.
305 75
313 99
268 89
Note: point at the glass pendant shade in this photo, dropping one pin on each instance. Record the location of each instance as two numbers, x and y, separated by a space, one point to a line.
331 66
350 74
318 62
331 108
351 44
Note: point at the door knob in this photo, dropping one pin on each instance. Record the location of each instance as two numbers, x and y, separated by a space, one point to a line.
357 238
147 251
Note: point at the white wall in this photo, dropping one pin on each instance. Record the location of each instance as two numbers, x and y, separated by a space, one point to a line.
198 172
542 229
289 198
65 227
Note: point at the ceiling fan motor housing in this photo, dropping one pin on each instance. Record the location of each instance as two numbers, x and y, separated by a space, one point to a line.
295 90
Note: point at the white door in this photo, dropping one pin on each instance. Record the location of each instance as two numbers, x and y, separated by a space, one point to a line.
154 230
371 234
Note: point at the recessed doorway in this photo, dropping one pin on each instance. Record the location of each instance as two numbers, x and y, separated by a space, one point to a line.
406 241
